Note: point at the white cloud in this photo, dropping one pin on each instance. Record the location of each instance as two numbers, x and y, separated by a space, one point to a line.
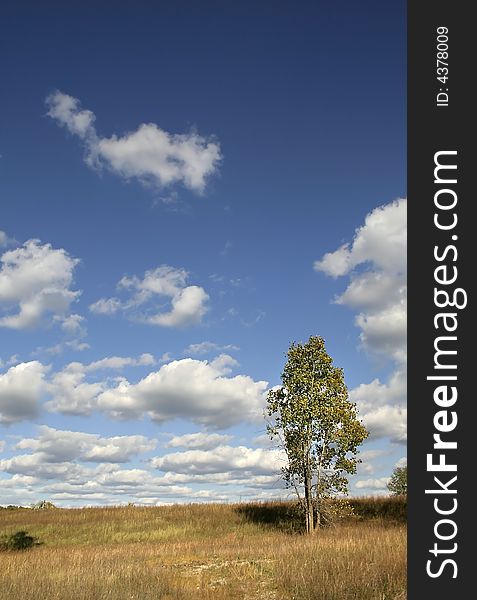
21 388
188 304
383 407
149 154
35 281
222 459
80 468
206 347
77 345
367 458
187 388
241 478
13 360
106 306
372 484
387 422
379 293
385 332
164 281
34 465
73 325
335 263
190 389
58 349
199 440
368 395
224 364
119 362
66 111
374 290
381 241
56 446
188 308
73 394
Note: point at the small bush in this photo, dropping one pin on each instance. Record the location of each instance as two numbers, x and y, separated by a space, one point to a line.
43 505
19 540
387 508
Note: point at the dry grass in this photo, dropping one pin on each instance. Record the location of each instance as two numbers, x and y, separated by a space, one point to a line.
200 552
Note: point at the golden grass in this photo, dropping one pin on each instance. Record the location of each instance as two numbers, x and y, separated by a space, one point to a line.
225 552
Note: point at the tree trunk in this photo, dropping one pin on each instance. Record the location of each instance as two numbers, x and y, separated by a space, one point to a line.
309 518
317 518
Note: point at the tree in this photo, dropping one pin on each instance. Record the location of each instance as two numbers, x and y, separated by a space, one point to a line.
317 426
398 482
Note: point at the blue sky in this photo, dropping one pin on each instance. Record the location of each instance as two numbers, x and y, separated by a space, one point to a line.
185 189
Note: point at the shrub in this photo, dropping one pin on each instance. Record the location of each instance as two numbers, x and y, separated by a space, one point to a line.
387 508
19 540
43 505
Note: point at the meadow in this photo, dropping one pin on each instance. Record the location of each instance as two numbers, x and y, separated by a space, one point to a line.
206 551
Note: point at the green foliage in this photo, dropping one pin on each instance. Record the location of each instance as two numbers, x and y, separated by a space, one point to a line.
317 426
17 541
398 483
43 505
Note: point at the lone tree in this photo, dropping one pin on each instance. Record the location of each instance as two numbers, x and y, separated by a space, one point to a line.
317 426
398 482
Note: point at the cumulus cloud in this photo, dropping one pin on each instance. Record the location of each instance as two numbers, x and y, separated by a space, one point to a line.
201 391
80 468
199 440
380 291
379 484
34 465
382 407
65 465
106 306
206 347
57 446
375 393
119 362
196 390
149 154
67 112
188 303
71 391
73 325
222 459
35 281
375 262
188 308
21 389
381 242
368 458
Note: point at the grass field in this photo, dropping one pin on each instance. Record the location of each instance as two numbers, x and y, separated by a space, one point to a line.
205 551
